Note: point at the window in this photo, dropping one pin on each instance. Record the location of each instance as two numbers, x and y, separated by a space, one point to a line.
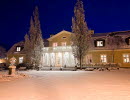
126 58
64 37
63 43
55 44
99 43
72 43
103 58
18 49
20 60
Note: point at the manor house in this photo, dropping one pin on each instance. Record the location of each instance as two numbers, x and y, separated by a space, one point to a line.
57 50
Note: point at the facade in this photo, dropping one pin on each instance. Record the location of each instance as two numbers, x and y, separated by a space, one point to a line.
113 47
17 51
59 52
118 51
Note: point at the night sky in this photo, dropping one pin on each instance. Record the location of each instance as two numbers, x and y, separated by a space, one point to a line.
55 16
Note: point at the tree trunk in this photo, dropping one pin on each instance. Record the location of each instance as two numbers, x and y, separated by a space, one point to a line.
113 56
80 62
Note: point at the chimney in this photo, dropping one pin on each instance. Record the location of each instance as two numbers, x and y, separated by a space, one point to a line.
51 35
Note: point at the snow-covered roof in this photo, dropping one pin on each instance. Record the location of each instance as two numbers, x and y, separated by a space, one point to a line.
99 34
121 33
13 48
111 33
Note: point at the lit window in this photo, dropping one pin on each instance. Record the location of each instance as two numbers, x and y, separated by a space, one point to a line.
18 49
63 43
126 58
20 60
72 43
103 58
100 43
55 44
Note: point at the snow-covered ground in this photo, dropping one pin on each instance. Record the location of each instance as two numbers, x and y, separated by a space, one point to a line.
5 77
69 85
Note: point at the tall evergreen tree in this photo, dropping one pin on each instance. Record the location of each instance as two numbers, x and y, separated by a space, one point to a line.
81 35
27 47
33 41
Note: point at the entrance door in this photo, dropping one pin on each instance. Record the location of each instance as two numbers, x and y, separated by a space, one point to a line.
58 59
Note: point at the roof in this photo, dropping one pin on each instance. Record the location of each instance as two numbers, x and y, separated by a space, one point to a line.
111 33
121 33
12 49
99 34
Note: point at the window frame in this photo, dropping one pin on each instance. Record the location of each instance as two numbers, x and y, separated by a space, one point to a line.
18 48
103 58
21 58
126 58
54 43
99 43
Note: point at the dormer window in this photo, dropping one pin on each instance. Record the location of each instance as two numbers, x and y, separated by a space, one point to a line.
18 49
129 41
99 43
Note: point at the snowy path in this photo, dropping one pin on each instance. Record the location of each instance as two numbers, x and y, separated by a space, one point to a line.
79 85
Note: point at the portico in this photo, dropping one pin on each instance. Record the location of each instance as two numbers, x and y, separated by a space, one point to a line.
54 57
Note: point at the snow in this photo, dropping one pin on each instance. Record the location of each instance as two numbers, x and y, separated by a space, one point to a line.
69 85
5 77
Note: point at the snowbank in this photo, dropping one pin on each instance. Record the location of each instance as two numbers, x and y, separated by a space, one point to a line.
5 77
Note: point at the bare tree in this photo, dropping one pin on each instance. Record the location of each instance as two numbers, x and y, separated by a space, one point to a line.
81 36
114 42
33 41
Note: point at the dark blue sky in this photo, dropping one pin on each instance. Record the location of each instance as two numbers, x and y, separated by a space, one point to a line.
55 15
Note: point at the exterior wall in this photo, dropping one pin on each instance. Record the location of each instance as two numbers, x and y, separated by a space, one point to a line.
118 56
3 60
59 39
17 55
96 55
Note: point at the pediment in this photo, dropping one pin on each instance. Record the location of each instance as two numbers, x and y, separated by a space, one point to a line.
58 34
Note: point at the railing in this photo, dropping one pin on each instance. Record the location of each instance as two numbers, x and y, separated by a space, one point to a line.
58 48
